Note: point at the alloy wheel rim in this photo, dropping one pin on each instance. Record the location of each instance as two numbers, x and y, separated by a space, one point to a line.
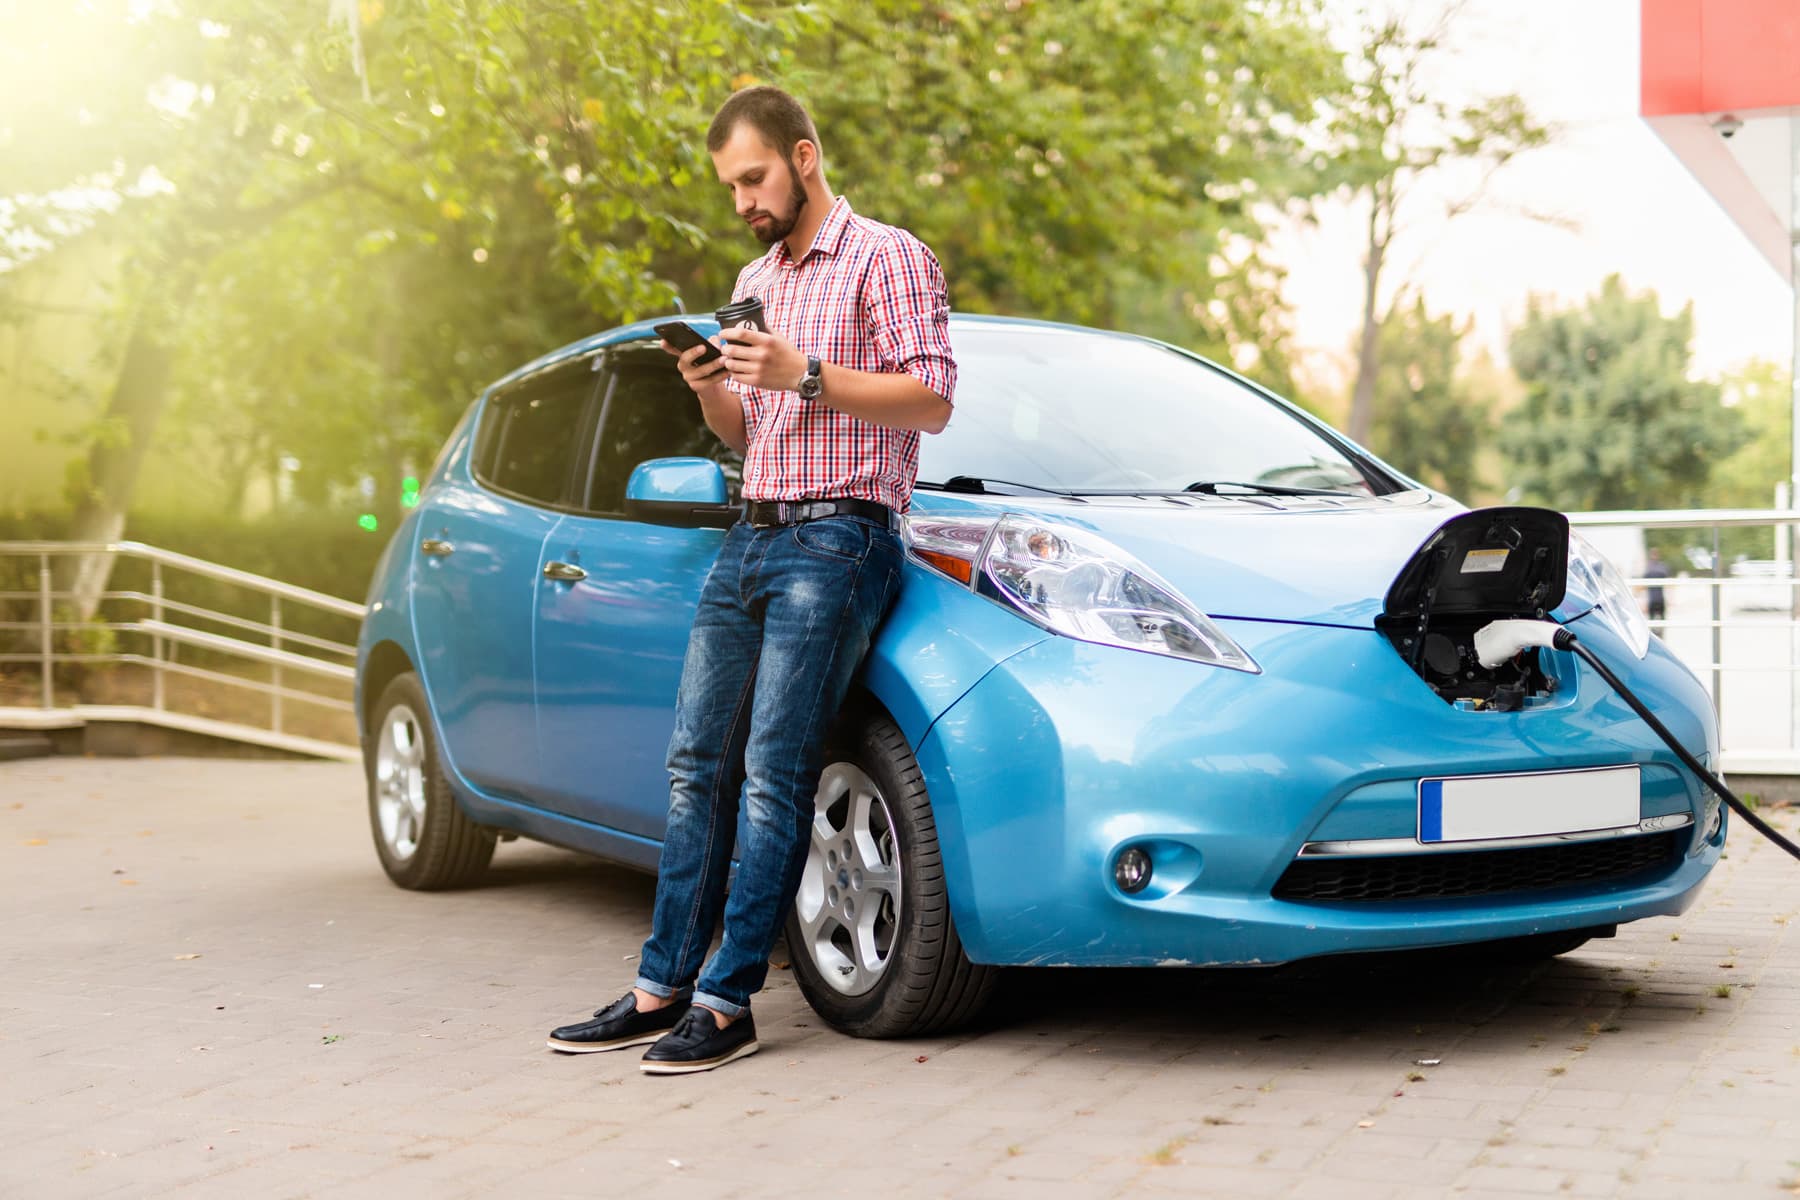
400 782
849 901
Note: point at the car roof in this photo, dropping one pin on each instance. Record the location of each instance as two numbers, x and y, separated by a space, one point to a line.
704 322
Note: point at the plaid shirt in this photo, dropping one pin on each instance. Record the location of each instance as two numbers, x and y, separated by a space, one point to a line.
866 296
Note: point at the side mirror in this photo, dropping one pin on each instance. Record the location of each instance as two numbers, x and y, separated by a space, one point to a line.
685 492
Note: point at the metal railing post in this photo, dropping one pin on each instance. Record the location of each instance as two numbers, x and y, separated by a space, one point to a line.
1718 632
157 698
275 672
46 632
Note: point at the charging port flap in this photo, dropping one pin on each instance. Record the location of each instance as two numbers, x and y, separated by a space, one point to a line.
1478 567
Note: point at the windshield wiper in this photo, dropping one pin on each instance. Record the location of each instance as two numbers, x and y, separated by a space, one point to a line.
1210 487
977 484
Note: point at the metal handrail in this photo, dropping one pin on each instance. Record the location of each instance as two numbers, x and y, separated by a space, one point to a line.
1690 518
194 566
168 625
1765 728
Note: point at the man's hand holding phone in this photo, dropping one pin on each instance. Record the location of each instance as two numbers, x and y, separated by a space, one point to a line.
702 366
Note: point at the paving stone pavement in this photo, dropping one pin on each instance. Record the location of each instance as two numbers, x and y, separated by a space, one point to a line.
209 989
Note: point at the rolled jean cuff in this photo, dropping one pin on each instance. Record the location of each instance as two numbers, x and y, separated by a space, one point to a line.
724 1008
661 989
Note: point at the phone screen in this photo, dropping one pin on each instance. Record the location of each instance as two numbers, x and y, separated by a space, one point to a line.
683 336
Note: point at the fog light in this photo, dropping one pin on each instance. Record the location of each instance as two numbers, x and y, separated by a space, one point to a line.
1715 817
1132 871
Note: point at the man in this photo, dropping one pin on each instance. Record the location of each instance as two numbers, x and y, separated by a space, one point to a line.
1656 569
827 406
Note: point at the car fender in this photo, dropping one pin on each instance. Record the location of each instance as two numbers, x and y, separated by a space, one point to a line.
939 640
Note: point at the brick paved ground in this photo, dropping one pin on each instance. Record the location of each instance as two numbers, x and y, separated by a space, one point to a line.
207 988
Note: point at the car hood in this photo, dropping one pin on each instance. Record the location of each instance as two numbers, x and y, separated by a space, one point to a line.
1313 560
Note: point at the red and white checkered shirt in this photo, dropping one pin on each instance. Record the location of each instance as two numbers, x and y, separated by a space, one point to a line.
866 296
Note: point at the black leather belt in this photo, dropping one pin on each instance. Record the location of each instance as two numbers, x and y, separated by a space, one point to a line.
764 514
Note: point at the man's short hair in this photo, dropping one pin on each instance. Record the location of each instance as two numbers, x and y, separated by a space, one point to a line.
777 116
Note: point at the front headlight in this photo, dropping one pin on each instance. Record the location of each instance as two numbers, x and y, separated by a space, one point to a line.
1073 583
1594 580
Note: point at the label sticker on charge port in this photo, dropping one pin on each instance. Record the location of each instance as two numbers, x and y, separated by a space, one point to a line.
1483 562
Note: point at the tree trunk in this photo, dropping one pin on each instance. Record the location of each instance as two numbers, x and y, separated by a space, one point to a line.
115 459
1362 401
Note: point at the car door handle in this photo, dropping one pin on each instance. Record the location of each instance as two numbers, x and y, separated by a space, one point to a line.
437 547
562 570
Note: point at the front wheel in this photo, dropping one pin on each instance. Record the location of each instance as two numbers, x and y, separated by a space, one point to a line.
870 935
424 839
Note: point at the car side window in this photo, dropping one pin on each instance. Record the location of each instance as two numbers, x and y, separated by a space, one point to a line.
530 432
649 412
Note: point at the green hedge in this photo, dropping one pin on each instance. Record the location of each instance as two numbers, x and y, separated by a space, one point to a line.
325 553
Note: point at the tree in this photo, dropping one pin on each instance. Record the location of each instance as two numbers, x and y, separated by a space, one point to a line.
483 132
1759 394
1393 131
1611 418
1098 163
1430 421
332 262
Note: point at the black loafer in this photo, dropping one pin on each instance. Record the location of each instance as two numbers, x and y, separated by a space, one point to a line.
698 1044
618 1025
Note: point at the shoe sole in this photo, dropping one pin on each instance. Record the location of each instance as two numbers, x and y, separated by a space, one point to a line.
640 1039
690 1068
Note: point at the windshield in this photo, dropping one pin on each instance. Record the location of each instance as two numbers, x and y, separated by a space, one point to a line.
1057 408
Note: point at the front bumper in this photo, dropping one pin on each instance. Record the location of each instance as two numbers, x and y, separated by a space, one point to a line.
1068 752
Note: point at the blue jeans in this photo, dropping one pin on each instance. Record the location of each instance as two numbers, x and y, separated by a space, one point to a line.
785 619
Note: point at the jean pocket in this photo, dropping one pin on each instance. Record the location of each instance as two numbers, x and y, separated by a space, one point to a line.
842 538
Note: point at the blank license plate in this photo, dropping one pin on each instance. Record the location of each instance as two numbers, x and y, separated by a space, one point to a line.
1474 808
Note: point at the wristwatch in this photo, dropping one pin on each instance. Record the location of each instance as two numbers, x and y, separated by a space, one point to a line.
812 383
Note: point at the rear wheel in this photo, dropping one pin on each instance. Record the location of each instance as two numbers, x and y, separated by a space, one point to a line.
870 935
424 839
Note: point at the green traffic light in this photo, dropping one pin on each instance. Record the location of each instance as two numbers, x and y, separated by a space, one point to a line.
368 522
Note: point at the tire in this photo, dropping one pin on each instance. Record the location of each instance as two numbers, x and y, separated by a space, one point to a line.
424 839
874 841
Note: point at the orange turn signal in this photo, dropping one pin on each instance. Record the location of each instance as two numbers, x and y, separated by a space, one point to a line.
959 569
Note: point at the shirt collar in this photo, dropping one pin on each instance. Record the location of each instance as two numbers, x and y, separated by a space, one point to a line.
828 240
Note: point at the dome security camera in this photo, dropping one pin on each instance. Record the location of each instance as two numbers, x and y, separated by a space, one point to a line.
1727 125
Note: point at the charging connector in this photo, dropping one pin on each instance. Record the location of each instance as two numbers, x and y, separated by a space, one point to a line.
1498 641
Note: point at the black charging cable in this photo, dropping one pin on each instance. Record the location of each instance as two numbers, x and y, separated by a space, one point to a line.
1563 639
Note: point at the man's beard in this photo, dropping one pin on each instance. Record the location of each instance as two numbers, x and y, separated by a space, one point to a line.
779 227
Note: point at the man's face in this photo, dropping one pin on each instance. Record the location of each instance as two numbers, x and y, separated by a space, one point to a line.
765 188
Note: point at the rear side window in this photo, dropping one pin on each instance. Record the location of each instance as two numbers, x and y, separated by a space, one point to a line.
530 432
649 412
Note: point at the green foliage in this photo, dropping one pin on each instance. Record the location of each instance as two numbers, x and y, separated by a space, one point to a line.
1392 129
1611 419
1069 161
326 553
1758 392
1430 421
340 261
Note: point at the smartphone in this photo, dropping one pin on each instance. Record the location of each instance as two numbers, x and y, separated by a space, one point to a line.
683 336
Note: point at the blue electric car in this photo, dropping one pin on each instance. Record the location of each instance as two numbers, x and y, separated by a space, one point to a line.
1177 676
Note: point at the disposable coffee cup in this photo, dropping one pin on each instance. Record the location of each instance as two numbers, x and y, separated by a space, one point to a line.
743 314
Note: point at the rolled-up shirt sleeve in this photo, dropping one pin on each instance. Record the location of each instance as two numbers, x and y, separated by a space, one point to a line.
909 314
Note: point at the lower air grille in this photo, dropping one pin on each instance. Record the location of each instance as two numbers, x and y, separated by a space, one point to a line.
1443 875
